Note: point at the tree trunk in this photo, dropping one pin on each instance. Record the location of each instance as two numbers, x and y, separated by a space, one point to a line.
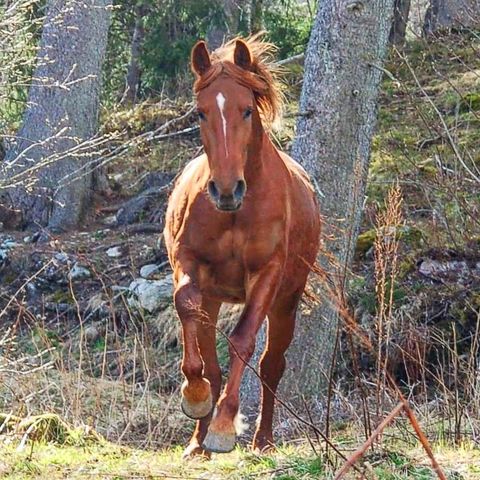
228 27
256 18
134 71
399 24
416 18
448 14
338 103
40 176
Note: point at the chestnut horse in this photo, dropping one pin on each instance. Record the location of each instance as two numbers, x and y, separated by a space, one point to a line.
242 226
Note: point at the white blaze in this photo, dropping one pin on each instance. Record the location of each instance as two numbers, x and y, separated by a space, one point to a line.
221 105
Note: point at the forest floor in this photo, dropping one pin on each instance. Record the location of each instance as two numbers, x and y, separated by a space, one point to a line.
81 339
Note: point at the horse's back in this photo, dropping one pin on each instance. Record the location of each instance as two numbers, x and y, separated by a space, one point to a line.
304 226
303 199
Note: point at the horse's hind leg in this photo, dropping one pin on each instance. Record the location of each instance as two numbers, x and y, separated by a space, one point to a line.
196 392
281 324
206 338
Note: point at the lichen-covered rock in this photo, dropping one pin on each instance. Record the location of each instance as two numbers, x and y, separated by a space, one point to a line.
151 295
406 234
148 205
79 273
114 252
150 271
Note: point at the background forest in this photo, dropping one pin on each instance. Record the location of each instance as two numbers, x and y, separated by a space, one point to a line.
97 117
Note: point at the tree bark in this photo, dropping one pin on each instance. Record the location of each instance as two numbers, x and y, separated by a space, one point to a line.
40 176
256 18
401 12
134 70
338 103
448 14
229 26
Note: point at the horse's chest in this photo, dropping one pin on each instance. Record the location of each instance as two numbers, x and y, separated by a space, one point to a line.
231 243
224 246
221 270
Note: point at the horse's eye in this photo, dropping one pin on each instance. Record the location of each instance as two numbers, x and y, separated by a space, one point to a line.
247 113
201 115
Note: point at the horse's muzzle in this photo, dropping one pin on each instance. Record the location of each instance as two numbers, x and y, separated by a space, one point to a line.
227 202
227 205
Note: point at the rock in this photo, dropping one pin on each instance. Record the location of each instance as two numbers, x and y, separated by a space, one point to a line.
118 177
149 205
447 271
150 271
151 295
9 244
33 293
10 218
91 333
408 235
79 273
58 307
119 288
114 252
36 236
365 242
110 221
156 179
61 257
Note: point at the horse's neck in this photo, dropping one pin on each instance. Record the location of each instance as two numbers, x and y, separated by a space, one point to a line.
260 159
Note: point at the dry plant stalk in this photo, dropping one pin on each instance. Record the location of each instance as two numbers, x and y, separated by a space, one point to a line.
336 294
353 327
386 243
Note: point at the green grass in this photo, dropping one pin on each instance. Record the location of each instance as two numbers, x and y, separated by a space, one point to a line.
104 460
107 460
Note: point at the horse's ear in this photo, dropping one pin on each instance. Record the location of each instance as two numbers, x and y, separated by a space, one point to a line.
200 58
242 56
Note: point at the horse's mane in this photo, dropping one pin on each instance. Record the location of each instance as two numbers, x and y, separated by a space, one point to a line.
261 78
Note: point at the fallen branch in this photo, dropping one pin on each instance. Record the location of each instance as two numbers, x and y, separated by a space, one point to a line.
138 228
359 453
296 59
423 439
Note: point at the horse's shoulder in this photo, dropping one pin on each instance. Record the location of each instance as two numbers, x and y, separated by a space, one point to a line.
296 170
179 198
191 169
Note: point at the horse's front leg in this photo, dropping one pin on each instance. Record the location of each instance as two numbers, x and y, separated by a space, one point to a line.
196 391
261 290
206 338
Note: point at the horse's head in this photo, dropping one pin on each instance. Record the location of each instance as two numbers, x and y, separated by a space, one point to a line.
228 96
236 90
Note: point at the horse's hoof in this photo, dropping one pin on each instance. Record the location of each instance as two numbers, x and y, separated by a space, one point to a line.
197 410
259 449
262 444
219 442
194 450
197 399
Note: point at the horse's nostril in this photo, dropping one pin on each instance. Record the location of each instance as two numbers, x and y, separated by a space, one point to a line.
213 190
240 188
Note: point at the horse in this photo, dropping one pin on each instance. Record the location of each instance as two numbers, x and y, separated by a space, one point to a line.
242 226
